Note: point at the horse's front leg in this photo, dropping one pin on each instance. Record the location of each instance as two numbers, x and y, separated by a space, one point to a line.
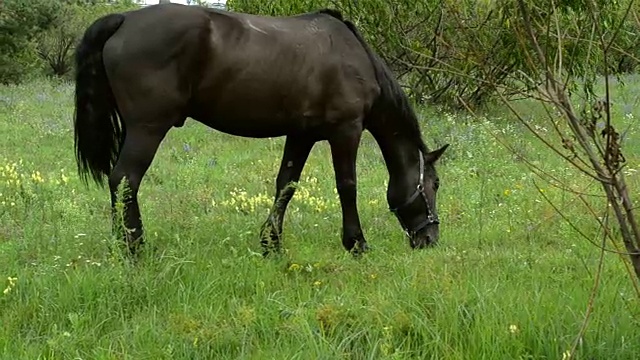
296 152
344 150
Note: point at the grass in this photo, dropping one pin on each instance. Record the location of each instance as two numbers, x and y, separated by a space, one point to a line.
510 280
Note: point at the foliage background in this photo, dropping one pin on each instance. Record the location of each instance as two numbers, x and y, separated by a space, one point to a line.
446 53
37 37
460 52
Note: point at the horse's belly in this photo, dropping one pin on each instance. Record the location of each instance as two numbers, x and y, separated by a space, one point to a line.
260 117
256 128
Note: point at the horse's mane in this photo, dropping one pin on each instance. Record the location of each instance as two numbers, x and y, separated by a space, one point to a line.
392 97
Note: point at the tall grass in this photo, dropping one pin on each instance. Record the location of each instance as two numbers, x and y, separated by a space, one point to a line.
510 279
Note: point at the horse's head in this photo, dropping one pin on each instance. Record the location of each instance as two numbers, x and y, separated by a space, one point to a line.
417 212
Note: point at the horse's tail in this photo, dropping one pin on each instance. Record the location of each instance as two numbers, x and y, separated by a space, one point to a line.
99 133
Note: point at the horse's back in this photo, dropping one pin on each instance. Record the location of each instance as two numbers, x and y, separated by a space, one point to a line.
245 74
303 72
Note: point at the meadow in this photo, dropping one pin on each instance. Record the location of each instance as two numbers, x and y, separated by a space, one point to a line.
509 280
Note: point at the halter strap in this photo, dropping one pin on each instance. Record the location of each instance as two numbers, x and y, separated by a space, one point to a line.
431 217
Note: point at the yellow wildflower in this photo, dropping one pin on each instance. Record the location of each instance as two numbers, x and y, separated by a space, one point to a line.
37 177
11 285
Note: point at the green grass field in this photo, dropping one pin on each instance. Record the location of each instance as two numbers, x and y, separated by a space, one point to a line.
510 279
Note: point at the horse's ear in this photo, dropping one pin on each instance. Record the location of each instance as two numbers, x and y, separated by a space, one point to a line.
433 156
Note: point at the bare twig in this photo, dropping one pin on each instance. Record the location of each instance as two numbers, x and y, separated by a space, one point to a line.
604 162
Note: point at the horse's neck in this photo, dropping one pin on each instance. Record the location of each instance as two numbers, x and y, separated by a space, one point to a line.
400 154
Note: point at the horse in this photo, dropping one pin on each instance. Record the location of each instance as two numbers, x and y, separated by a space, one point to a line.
309 77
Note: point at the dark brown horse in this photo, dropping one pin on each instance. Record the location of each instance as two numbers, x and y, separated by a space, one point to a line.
309 77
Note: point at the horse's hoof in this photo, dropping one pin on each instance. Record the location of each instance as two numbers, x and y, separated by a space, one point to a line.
270 247
361 247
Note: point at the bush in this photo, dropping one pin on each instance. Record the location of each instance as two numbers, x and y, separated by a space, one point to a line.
20 22
39 36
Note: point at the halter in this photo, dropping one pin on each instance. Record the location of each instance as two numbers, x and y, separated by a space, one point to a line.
432 218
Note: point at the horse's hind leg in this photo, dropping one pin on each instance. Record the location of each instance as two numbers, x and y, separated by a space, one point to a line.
296 152
140 146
